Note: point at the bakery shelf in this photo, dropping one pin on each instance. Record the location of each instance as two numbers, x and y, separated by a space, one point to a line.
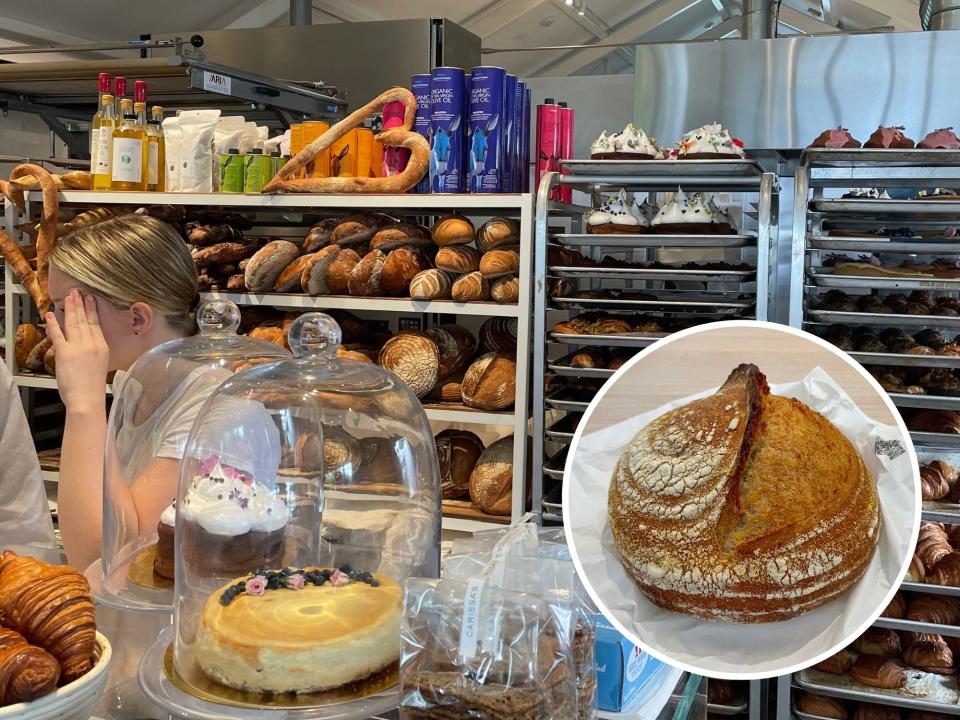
900 360
875 244
694 304
554 466
842 686
947 441
808 716
649 240
570 399
564 428
920 627
443 412
903 282
595 273
929 588
638 340
882 158
931 402
346 302
888 319
667 174
463 516
562 367
939 511
894 209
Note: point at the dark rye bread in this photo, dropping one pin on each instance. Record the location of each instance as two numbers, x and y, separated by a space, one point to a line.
762 488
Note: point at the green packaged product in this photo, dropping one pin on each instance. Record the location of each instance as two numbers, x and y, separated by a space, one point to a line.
258 171
231 171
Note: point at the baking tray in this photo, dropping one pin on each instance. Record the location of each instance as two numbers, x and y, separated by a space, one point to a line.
920 627
930 589
570 399
563 429
553 502
698 305
881 157
928 402
638 340
843 686
650 240
808 716
562 367
859 318
665 169
554 466
947 441
733 276
740 707
901 360
825 279
921 246
919 208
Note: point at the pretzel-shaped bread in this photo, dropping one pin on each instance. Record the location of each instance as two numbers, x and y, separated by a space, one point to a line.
400 136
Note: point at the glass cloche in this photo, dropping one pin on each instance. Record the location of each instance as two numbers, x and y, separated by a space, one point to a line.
154 405
309 493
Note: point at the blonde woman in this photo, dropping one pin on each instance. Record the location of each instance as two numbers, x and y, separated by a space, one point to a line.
119 289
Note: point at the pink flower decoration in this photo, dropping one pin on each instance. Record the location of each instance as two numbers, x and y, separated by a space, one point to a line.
339 578
257 585
295 581
209 464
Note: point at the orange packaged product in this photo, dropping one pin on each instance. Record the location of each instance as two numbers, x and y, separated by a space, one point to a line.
320 166
365 152
344 155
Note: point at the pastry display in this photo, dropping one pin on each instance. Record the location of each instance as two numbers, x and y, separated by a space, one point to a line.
26 671
889 138
942 139
878 641
831 495
835 139
299 630
231 523
616 216
694 213
935 421
710 142
607 324
631 144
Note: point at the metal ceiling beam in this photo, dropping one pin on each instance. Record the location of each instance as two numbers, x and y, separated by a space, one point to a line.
722 7
904 14
345 11
260 15
595 25
627 33
803 23
497 15
728 28
828 11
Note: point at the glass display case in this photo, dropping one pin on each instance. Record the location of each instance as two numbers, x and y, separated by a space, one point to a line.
154 406
309 492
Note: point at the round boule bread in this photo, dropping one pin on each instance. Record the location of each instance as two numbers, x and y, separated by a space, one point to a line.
289 280
491 482
397 235
34 361
458 259
499 262
356 229
27 338
498 335
337 275
364 280
457 454
431 285
401 266
313 279
453 230
505 290
318 236
267 263
448 390
743 506
455 344
490 383
497 232
413 357
472 287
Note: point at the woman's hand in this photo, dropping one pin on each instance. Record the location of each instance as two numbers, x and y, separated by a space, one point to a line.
82 354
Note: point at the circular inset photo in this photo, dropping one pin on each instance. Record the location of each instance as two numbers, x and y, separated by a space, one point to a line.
742 499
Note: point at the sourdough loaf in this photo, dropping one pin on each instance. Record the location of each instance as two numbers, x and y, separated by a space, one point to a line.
491 481
490 383
431 285
453 230
401 266
505 290
497 232
313 278
457 453
455 345
337 274
364 279
267 263
413 357
470 288
458 259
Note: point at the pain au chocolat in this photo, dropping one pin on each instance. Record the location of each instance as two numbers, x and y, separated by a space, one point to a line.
743 506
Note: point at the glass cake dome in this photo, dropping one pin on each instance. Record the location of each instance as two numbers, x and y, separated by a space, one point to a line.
154 405
309 492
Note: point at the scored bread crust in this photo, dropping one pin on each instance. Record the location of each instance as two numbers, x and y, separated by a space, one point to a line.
743 506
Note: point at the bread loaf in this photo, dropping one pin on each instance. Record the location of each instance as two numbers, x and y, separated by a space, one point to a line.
50 361
364 280
413 357
210 234
237 283
470 288
313 279
497 232
346 353
356 229
728 451
506 290
453 230
491 481
496 263
490 383
401 234
448 390
458 259
499 335
34 361
27 338
838 663
457 453
267 263
225 252
289 280
319 235
337 275
272 334
401 266
455 346
821 705
430 285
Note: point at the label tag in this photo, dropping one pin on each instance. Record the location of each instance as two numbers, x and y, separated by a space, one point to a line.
216 83
470 625
127 160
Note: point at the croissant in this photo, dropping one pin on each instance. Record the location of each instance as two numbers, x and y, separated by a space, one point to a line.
930 655
937 609
878 641
838 663
916 573
51 606
953 532
933 484
933 544
946 572
26 671
877 671
896 608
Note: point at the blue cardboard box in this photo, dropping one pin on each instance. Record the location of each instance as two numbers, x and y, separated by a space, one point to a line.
623 669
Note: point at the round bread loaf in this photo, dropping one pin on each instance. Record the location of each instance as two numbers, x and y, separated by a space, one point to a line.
743 506
237 283
490 383
506 290
356 354
27 338
458 259
491 482
356 229
225 252
313 279
413 357
267 263
401 266
430 285
455 345
457 454
399 234
453 230
364 280
289 280
337 275
499 335
319 236
448 390
496 263
272 334
471 287
50 360
34 362
497 232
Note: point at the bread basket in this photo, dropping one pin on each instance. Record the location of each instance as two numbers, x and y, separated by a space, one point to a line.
75 701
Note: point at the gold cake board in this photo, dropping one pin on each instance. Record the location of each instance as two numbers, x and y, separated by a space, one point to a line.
194 682
141 570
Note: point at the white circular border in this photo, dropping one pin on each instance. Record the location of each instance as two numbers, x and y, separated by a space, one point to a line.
718 327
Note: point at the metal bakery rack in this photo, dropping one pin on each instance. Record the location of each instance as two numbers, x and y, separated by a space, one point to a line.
289 216
823 225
